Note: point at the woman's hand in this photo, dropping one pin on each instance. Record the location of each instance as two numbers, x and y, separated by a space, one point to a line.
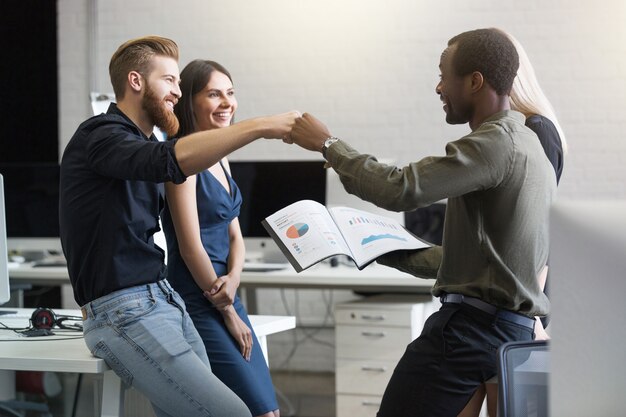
222 293
279 126
239 330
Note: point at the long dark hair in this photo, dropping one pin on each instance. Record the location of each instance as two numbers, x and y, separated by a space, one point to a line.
194 77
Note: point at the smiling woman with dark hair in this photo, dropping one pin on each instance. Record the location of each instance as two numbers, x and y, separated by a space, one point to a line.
205 245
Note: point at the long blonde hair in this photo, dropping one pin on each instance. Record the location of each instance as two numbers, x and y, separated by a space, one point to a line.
527 97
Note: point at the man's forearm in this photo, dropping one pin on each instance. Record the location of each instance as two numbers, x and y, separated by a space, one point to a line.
422 263
201 150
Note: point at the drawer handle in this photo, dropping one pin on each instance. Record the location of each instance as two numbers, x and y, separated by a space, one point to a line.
373 318
374 368
370 403
373 334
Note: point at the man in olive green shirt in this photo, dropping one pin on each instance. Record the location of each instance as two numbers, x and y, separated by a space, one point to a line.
499 185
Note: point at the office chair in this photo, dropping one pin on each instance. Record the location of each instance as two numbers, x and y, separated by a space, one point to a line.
42 384
523 369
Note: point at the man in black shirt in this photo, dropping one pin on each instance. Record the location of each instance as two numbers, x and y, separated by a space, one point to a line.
110 201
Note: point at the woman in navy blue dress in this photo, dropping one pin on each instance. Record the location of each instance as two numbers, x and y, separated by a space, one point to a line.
205 246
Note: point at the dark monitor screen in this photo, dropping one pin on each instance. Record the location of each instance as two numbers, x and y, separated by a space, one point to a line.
427 222
32 199
5 289
268 186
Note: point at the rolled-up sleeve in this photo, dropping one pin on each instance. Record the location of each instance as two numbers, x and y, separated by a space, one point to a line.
115 151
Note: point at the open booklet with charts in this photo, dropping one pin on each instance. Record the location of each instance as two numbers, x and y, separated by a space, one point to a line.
307 232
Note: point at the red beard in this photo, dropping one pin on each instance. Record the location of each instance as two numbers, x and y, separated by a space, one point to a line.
161 116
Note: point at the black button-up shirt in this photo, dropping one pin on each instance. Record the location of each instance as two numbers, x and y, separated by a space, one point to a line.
110 201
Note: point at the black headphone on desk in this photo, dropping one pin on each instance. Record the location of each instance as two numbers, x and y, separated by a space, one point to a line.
45 318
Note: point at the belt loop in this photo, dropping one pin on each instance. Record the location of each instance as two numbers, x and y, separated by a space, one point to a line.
87 312
149 287
162 287
166 291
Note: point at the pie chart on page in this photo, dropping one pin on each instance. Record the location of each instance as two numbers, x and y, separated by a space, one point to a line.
297 230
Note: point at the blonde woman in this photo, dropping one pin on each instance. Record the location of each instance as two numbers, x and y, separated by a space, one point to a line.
528 98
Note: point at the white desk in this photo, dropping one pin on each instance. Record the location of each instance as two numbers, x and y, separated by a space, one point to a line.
374 278
72 355
51 276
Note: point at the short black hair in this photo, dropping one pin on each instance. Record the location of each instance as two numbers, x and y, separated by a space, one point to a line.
489 52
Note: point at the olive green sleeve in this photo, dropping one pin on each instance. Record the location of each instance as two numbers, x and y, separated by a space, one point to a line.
422 263
463 170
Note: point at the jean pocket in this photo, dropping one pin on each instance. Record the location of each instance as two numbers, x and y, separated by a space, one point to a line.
130 310
102 351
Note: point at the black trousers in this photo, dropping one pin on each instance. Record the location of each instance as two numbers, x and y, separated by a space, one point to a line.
441 369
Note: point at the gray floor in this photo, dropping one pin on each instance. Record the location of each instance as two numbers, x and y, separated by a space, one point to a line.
305 394
300 394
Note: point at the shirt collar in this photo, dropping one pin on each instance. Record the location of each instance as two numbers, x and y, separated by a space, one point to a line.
517 116
113 109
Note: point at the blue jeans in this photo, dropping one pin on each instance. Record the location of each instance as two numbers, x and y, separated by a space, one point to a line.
146 336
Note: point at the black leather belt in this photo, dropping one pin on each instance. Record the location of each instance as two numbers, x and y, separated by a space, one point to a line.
488 308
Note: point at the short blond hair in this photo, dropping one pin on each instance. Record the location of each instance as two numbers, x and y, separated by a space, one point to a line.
527 97
136 55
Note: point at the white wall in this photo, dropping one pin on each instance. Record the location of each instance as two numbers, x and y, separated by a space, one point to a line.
369 69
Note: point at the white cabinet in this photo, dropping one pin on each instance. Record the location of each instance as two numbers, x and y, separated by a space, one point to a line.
371 335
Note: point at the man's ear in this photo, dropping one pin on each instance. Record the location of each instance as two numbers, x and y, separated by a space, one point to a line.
476 81
135 80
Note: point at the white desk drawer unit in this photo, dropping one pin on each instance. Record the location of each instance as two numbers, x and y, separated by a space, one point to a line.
371 335
363 376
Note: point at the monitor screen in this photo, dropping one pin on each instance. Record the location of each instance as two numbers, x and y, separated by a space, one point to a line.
268 186
587 267
5 292
32 204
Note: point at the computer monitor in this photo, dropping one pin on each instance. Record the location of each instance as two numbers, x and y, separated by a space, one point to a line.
32 208
587 276
427 222
268 186
5 291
